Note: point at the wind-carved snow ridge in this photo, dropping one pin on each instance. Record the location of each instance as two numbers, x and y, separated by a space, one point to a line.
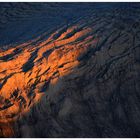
69 70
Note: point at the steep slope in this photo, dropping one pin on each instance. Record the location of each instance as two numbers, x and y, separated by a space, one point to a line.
78 78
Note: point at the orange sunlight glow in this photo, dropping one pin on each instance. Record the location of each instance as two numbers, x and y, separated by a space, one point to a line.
23 73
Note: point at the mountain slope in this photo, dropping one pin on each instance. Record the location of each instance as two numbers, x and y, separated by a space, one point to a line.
70 70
